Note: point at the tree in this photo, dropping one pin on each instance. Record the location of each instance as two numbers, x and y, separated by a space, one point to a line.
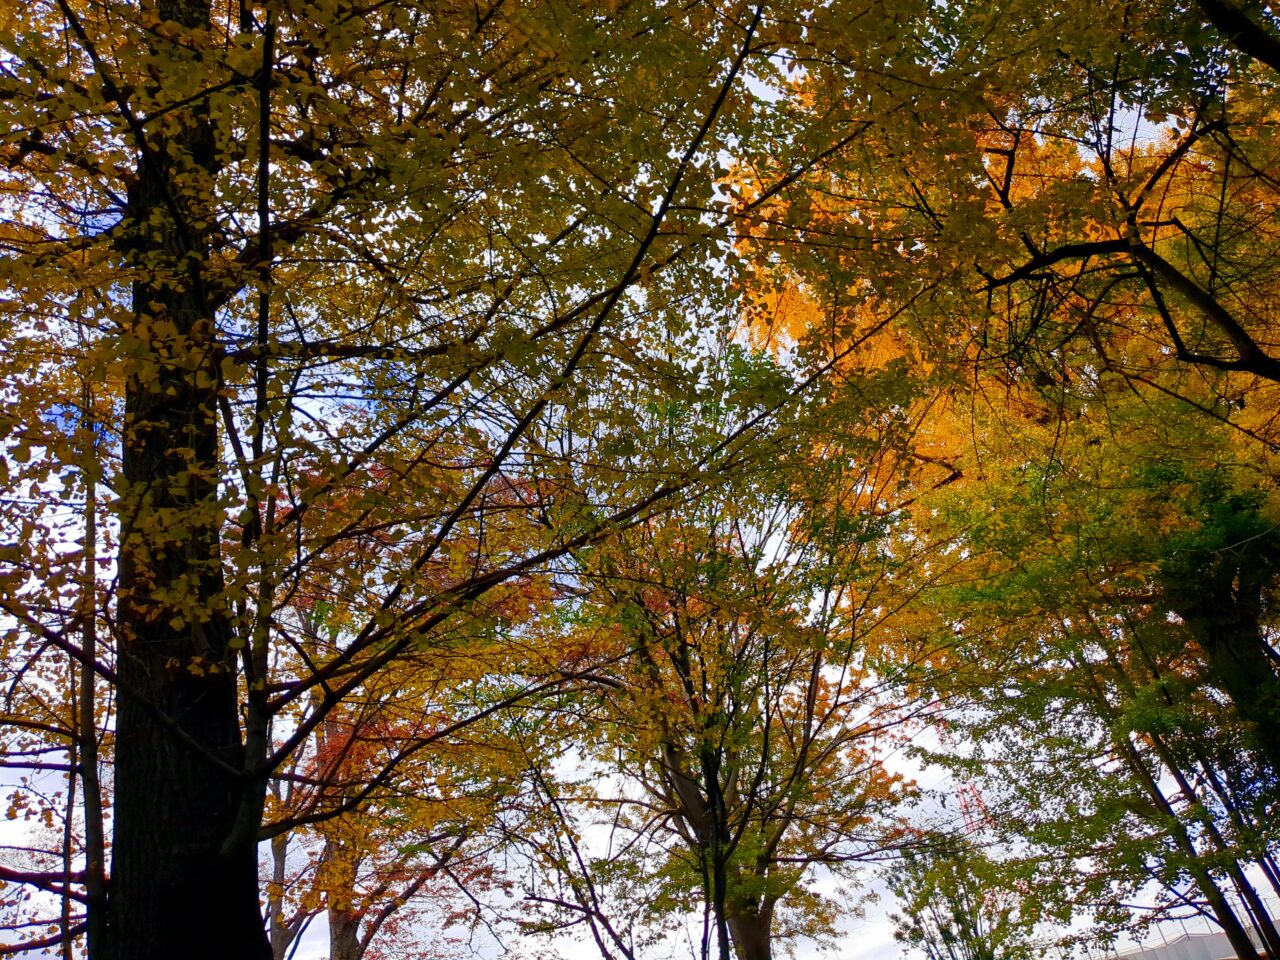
1074 213
1055 182
322 310
1112 759
413 854
335 274
953 907
740 730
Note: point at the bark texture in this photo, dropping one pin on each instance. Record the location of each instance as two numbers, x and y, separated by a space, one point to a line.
181 886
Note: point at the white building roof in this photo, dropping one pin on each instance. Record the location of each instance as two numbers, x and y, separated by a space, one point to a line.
1190 946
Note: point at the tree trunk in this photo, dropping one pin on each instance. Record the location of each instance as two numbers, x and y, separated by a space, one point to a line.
95 846
1222 609
1174 827
281 933
1195 867
174 890
751 931
179 886
344 935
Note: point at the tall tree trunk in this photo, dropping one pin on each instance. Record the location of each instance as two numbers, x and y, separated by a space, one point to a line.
338 869
719 847
1195 867
179 886
1254 906
1217 784
281 933
95 879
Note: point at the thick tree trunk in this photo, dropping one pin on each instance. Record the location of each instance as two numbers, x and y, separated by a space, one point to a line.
344 935
179 886
1222 609
751 932
175 890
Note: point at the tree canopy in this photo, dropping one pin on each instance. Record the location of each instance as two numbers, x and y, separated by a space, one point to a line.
440 435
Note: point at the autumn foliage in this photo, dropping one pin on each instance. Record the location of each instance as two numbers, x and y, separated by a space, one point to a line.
479 474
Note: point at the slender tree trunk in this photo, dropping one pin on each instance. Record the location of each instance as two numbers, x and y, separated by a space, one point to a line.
1222 912
280 936
1253 903
1257 910
340 865
68 838
1261 919
1220 789
1177 831
1270 871
719 848
179 886
95 856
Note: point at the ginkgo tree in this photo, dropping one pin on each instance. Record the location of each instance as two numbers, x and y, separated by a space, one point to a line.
1054 209
1056 181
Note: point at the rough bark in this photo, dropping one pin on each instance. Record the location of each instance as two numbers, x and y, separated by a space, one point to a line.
344 935
174 890
750 927
178 887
